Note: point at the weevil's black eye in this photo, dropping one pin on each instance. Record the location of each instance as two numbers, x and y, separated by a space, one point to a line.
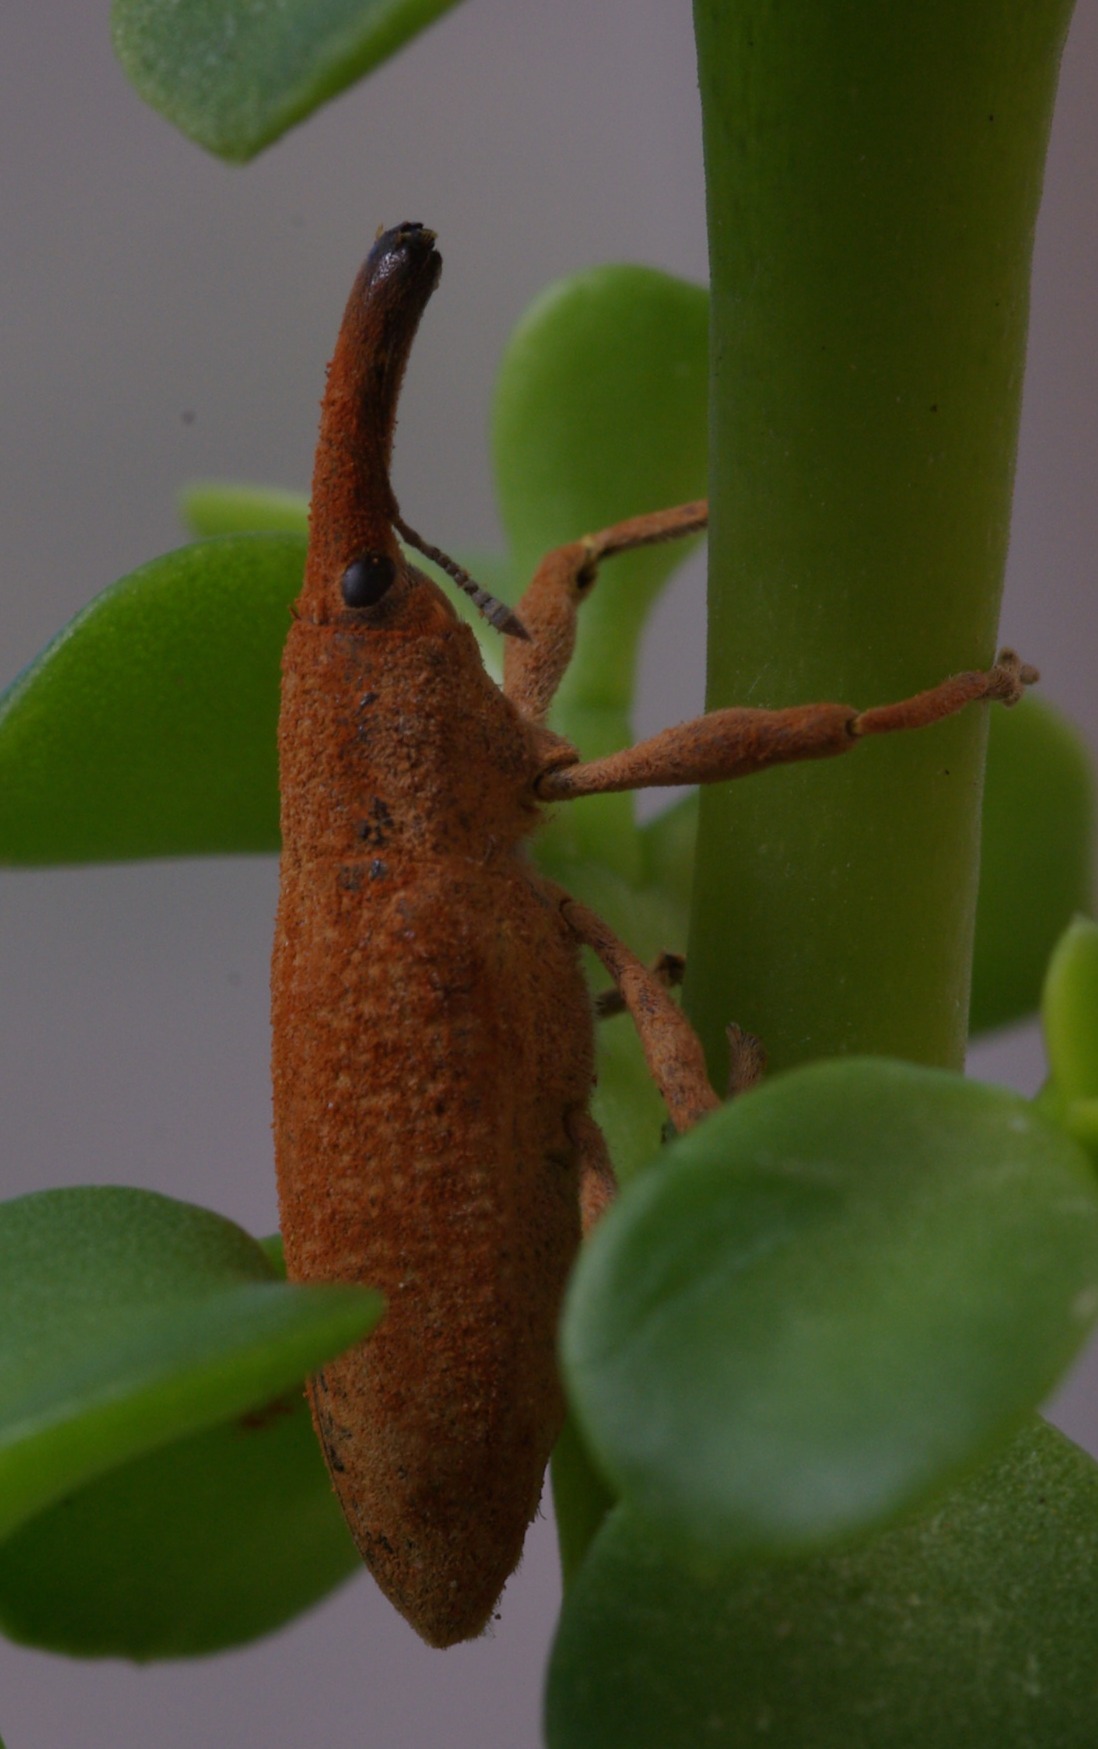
366 579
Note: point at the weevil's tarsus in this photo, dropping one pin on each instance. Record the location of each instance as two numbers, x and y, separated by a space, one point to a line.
746 1060
1005 683
548 608
649 530
496 612
668 968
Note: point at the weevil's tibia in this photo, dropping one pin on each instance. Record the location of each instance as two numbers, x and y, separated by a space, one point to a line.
671 1047
548 608
734 742
669 969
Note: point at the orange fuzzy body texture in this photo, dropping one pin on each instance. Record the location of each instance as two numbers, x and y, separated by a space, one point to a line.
432 1041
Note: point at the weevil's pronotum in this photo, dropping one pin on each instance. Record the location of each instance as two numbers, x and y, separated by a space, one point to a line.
433 1035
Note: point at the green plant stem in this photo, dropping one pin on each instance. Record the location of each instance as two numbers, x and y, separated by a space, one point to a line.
873 178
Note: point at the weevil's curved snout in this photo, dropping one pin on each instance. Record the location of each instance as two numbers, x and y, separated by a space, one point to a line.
407 254
355 564
406 249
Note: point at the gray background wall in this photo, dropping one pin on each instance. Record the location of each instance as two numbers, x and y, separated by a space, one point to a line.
165 317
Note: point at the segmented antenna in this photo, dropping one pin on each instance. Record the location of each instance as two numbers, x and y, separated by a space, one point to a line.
497 613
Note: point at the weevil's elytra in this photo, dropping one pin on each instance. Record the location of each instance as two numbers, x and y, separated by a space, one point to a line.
433 1051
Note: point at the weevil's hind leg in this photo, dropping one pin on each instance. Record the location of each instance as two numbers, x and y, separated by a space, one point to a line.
746 1056
671 1047
532 670
733 743
668 969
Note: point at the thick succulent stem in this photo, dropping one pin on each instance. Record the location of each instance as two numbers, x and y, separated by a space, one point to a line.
873 181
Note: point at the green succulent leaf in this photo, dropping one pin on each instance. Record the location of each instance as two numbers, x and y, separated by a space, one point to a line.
234 75
1036 856
205 1543
972 1627
128 1319
826 1302
1069 1011
210 507
581 1498
147 727
600 413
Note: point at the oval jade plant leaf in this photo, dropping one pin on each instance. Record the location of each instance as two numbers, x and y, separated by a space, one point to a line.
128 1319
1036 856
211 507
205 1543
827 1301
600 413
234 76
1069 1012
147 727
971 1628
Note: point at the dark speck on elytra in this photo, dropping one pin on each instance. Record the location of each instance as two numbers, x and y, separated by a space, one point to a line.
378 869
375 830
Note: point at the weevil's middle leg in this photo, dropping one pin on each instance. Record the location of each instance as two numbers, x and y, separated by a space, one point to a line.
734 742
533 670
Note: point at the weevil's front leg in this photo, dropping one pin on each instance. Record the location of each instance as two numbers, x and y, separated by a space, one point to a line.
532 670
731 743
671 1047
